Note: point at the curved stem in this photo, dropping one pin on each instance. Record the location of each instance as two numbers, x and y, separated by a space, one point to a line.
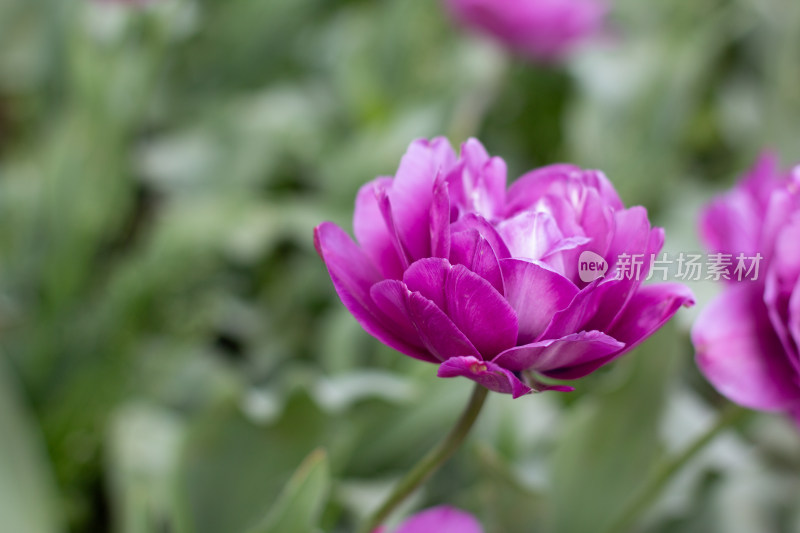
431 462
670 467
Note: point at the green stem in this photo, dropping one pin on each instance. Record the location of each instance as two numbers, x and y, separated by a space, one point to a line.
472 107
669 468
431 462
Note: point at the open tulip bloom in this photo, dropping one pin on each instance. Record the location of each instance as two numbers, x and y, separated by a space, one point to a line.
454 269
747 340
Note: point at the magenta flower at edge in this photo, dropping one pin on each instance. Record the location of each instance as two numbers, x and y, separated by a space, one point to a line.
442 519
128 2
747 339
542 29
454 269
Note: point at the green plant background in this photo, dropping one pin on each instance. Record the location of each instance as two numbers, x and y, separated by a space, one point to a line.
172 348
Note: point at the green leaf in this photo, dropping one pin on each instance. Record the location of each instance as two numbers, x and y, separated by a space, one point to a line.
508 503
611 442
233 465
27 492
141 472
299 506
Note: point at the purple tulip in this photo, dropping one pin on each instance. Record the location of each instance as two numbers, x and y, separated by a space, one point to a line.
127 2
454 269
747 339
441 519
542 29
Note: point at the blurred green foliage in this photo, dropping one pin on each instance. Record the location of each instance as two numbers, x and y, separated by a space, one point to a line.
171 346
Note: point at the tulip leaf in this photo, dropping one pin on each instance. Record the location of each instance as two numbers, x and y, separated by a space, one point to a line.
142 471
227 494
27 491
611 444
510 504
298 508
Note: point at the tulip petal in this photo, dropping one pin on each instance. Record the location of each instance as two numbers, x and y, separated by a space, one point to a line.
370 229
599 181
649 309
536 294
433 329
437 332
486 230
776 300
385 207
654 246
738 352
442 519
534 236
428 277
731 223
556 354
786 262
478 184
620 290
794 317
583 307
470 249
592 220
352 274
411 194
597 219
631 236
777 215
390 298
488 374
440 220
534 185
761 178
480 312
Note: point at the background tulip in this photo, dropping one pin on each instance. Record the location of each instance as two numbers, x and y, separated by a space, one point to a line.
747 339
542 29
442 519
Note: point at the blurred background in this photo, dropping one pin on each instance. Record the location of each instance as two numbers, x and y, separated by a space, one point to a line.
172 347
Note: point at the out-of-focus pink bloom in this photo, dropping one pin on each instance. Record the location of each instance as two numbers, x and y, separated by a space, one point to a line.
747 339
543 29
454 269
128 2
441 519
